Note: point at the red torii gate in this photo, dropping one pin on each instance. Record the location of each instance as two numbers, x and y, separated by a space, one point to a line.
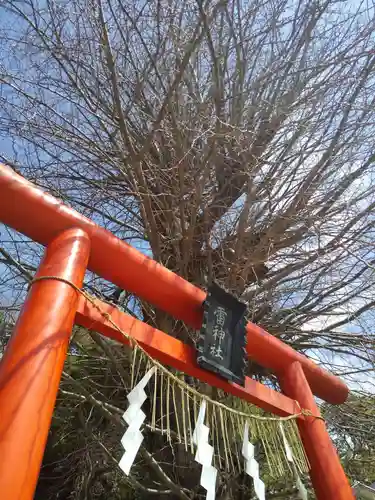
31 367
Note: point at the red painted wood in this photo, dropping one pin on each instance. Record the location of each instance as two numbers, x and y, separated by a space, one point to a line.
31 367
175 353
327 475
271 353
41 217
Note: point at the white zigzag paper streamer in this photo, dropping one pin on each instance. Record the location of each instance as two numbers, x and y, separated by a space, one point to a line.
289 455
134 417
251 465
204 454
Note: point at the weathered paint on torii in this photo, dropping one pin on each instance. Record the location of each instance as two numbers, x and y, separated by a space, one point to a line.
31 366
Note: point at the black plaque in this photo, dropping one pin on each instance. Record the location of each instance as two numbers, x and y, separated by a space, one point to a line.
222 340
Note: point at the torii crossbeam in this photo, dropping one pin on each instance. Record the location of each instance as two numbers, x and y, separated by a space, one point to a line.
31 367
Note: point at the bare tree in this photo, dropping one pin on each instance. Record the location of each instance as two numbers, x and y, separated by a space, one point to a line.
229 140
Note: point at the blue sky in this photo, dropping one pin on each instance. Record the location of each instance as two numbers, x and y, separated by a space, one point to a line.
12 149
